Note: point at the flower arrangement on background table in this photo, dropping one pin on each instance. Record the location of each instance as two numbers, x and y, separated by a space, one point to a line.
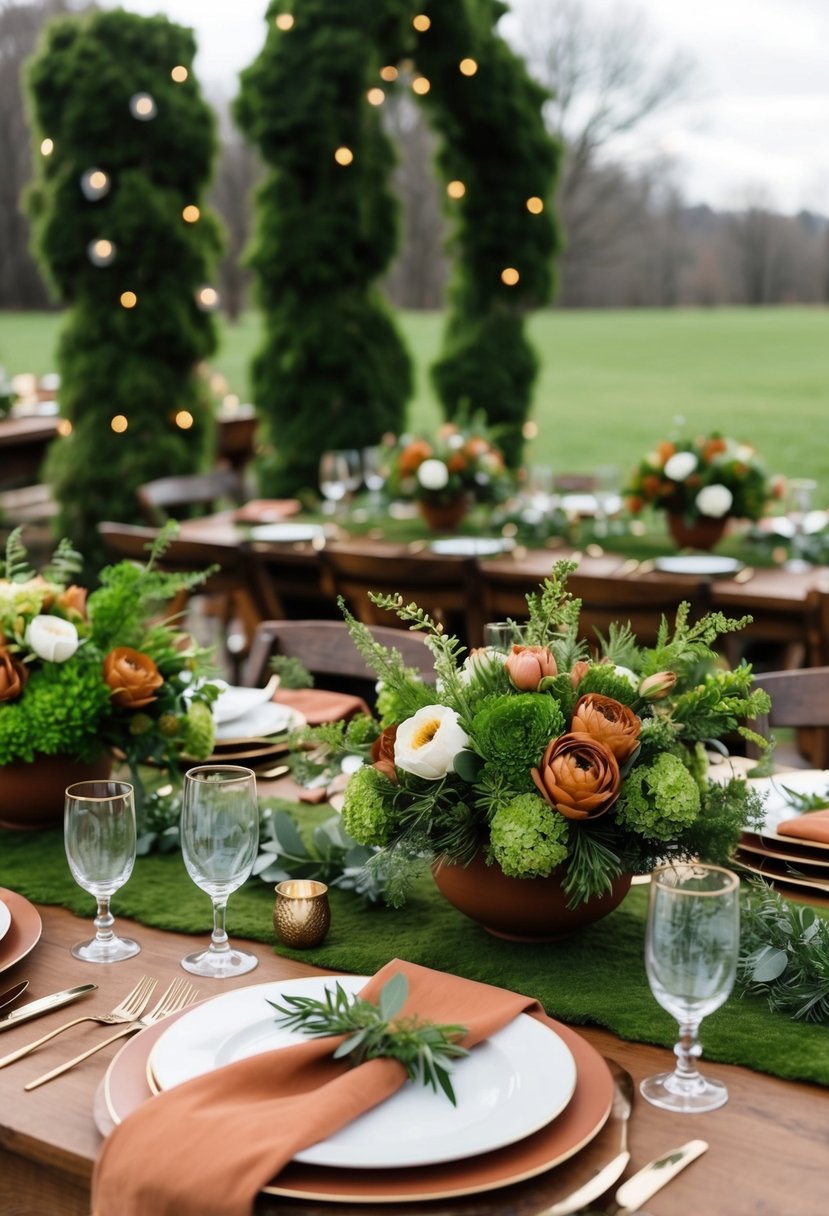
550 759
85 673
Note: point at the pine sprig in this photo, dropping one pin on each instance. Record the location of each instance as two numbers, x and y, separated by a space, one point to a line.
423 1048
591 868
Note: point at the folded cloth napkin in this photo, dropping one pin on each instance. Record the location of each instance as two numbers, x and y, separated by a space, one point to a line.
207 1147
267 510
814 825
317 705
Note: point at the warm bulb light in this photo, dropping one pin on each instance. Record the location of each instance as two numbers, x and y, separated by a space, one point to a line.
468 67
94 184
376 97
119 424
529 430
64 427
128 299
47 147
421 23
207 298
420 85
389 73
510 276
535 205
143 107
179 73
100 252
284 21
184 420
190 213
343 156
456 189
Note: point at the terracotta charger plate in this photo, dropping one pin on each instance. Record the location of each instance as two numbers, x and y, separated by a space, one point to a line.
23 933
776 872
125 1086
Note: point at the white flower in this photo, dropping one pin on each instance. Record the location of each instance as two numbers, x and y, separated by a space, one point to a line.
744 453
52 638
483 660
427 743
433 475
714 501
680 465
627 674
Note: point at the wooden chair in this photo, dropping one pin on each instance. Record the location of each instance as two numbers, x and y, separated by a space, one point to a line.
800 701
291 582
183 496
444 586
326 649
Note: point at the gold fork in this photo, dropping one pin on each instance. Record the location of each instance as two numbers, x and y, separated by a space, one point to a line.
179 995
127 1010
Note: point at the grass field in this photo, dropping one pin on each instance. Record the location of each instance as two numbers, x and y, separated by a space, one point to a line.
611 383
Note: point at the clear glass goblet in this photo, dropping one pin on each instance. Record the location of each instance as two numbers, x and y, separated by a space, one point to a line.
607 487
99 836
219 831
691 947
334 479
798 504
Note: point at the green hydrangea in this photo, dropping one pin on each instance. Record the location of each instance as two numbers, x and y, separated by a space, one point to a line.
368 811
603 678
361 731
511 732
659 800
199 730
528 838
62 712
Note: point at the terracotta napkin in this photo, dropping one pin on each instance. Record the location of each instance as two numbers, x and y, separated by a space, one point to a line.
317 705
267 510
812 826
207 1147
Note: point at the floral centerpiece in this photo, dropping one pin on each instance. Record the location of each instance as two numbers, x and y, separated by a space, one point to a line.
550 760
703 480
83 674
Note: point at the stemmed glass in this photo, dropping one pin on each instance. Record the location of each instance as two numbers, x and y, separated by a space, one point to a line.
691 948
607 482
374 473
333 476
798 504
99 836
219 832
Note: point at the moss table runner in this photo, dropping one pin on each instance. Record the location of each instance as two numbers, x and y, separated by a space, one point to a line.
597 976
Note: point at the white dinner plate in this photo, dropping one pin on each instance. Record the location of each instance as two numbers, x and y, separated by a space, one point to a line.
775 802
287 533
698 563
509 1086
588 504
5 919
232 702
471 546
781 525
260 722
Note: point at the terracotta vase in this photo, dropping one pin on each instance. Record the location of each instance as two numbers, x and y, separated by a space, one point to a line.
31 795
444 516
701 534
520 909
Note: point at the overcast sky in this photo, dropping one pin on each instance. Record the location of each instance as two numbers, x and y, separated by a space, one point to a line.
754 127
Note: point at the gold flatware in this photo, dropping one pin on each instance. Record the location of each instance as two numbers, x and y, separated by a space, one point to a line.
628 567
11 994
179 995
745 575
653 1176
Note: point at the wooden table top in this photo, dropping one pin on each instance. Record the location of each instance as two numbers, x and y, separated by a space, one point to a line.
769 1146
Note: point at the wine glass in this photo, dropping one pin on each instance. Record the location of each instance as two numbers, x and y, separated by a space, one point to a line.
354 473
333 477
374 471
691 948
799 492
607 484
99 836
219 832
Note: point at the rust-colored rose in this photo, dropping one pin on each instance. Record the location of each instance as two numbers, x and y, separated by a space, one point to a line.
73 602
527 666
413 455
132 676
609 721
382 753
578 776
13 676
578 671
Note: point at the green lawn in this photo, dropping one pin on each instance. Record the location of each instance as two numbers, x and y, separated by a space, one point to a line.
611 383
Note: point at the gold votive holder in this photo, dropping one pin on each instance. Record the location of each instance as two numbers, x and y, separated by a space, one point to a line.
301 915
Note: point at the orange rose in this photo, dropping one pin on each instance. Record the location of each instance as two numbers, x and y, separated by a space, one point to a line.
712 448
651 485
635 505
13 676
132 676
476 445
579 671
73 602
578 776
412 456
527 666
456 463
382 753
609 721
666 450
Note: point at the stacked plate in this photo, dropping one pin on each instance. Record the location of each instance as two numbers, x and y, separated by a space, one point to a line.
251 728
20 928
787 861
528 1099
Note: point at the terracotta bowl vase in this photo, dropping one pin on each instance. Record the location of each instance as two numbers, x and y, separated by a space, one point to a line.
445 516
521 909
31 794
701 534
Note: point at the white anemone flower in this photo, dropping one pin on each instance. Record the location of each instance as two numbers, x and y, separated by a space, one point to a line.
714 501
680 465
52 638
427 743
627 674
483 660
433 475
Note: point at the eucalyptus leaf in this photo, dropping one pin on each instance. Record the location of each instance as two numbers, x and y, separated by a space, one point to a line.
770 964
393 995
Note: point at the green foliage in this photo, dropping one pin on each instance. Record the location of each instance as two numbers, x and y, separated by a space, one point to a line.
527 838
512 731
139 362
659 800
784 955
332 856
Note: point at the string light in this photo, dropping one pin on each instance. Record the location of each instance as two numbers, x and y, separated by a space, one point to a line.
119 424
184 420
128 299
218 384
47 147
389 73
376 97
420 85
421 23
529 430
100 252
191 213
343 156
456 189
179 73
231 403
510 276
535 205
64 427
94 184
468 67
284 21
143 107
207 298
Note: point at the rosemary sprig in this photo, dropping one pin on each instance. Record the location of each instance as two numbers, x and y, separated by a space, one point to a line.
806 802
423 1048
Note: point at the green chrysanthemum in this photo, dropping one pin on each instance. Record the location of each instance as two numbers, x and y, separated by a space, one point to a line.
511 732
659 800
368 811
528 838
199 730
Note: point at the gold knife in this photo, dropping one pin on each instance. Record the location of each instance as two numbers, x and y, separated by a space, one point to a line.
652 1177
44 1005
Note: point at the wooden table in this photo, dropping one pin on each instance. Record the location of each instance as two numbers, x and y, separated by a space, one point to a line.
23 444
769 1146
